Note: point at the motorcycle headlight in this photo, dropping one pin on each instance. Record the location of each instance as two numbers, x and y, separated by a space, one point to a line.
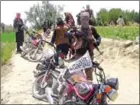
112 95
113 82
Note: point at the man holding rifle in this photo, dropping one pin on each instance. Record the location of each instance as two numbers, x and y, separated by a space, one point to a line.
82 39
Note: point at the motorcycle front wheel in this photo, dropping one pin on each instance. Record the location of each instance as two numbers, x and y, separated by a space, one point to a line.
37 91
38 56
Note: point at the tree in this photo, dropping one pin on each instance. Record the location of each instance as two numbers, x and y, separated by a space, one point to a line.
137 17
114 14
130 16
2 27
40 13
103 16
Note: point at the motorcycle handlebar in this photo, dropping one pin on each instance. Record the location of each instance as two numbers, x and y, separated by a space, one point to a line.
30 34
34 31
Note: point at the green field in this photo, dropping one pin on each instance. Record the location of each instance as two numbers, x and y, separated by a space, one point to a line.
125 33
8 37
7 46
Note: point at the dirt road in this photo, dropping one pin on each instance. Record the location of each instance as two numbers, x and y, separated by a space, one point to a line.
16 83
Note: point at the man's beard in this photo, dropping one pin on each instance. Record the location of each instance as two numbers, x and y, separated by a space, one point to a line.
85 25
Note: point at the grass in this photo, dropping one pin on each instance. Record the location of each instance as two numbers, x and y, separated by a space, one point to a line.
7 46
125 33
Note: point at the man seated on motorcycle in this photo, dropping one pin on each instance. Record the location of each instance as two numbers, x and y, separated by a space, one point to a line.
83 40
61 42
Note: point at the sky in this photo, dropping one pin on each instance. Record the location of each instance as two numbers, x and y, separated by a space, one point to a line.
10 8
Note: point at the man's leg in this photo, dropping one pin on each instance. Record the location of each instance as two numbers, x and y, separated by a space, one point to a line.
21 43
90 70
18 47
57 54
89 73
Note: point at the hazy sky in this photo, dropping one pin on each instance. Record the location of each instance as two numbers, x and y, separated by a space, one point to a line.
10 8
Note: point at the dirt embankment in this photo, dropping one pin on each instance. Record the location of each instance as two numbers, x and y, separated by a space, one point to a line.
121 59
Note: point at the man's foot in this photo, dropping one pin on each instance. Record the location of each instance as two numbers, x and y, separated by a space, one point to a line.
18 51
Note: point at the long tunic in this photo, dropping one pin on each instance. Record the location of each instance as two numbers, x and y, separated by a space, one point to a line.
19 32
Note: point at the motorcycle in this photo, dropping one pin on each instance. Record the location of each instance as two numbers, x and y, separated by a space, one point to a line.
85 92
33 47
58 87
37 53
46 67
43 65
29 43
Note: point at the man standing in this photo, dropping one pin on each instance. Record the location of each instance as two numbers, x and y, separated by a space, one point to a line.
18 23
85 39
120 21
90 11
61 42
69 19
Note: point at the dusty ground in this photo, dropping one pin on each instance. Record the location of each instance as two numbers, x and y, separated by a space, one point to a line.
17 79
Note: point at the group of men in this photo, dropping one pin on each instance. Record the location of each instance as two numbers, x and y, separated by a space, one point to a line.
69 37
76 39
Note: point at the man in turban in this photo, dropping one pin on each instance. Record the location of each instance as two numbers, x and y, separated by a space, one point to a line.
86 39
18 23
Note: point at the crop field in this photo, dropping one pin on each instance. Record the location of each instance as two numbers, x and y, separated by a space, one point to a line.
124 33
7 46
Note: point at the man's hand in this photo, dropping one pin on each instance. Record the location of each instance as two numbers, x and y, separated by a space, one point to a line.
16 29
97 43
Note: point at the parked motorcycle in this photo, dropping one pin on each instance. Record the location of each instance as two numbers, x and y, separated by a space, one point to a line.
32 49
46 67
50 55
58 86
